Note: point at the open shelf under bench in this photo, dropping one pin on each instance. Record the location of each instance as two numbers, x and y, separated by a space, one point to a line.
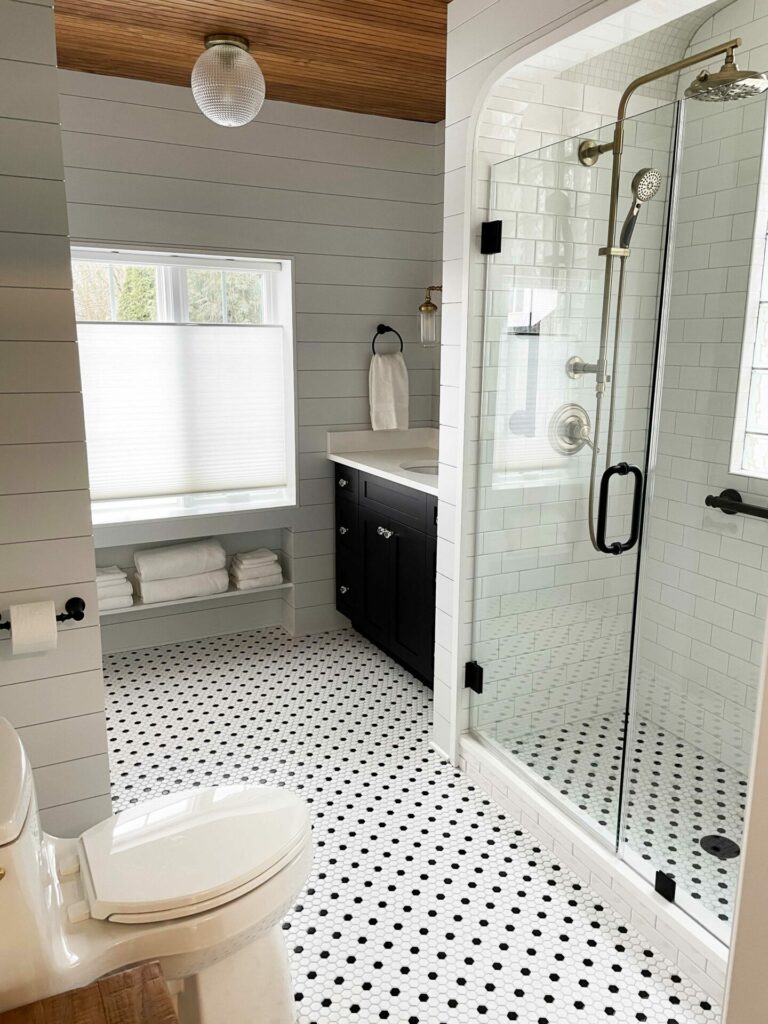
119 613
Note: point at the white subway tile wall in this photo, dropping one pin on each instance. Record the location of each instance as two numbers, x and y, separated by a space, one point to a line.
46 550
484 40
705 597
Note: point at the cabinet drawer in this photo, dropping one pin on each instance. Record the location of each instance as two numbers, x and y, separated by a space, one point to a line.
404 504
345 481
346 526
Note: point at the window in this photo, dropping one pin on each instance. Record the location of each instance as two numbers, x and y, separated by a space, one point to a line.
187 375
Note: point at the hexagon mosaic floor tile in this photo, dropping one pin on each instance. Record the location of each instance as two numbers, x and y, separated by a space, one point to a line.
426 904
676 795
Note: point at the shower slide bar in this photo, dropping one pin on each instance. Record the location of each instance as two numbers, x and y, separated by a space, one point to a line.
731 502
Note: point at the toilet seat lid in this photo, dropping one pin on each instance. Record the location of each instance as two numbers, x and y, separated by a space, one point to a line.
190 848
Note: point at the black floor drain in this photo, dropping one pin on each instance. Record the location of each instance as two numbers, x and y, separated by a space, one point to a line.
721 847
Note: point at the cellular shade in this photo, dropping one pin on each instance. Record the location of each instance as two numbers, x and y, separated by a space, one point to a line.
174 409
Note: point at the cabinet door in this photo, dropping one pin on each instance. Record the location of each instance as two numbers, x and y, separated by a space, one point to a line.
373 610
412 599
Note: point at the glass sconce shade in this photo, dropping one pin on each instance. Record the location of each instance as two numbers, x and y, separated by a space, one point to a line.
227 83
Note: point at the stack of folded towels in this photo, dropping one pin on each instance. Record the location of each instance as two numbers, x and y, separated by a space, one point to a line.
113 588
197 569
254 569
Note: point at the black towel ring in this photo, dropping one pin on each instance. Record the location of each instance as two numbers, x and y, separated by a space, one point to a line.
385 329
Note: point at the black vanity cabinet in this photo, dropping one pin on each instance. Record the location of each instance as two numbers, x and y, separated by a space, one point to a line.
386 544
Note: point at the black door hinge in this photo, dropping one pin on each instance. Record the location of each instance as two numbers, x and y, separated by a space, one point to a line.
490 237
665 886
473 676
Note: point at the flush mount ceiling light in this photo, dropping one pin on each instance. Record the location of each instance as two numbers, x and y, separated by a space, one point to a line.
227 83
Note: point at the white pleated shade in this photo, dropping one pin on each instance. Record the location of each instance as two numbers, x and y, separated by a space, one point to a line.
183 409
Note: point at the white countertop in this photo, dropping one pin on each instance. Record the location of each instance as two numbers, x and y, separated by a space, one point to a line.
383 452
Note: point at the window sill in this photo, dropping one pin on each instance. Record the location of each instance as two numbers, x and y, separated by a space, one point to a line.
149 531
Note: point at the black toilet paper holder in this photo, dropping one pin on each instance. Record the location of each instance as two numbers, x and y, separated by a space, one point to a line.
73 609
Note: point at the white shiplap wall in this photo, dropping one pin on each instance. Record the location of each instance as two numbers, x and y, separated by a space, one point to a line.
355 200
46 550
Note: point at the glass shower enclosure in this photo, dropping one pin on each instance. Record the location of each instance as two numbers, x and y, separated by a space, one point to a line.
620 633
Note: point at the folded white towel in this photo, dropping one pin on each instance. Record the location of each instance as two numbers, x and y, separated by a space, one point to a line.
388 392
115 602
253 572
180 560
118 589
109 573
261 556
260 581
199 585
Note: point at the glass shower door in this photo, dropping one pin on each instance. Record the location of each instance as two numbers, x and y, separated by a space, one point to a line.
703 580
552 616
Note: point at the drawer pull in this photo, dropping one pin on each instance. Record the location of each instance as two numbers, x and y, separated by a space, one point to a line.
343 530
384 532
343 481
343 590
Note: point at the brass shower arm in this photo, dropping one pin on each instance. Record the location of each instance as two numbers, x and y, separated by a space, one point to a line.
670 69
589 151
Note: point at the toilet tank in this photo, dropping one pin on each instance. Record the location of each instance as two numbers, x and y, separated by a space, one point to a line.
15 784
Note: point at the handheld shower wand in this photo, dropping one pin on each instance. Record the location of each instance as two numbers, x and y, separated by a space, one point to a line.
645 184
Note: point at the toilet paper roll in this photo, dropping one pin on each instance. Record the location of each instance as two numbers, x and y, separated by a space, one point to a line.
33 628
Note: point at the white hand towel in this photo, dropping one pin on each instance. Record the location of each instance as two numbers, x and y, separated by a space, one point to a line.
261 556
114 602
110 573
253 572
119 589
180 560
260 581
388 392
176 589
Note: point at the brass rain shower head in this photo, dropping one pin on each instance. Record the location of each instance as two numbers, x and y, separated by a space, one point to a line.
729 83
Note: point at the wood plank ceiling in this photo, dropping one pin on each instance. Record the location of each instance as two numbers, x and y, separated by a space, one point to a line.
373 56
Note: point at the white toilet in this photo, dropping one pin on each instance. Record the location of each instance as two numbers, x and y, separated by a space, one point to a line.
199 880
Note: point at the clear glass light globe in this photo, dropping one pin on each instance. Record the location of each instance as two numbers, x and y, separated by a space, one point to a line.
228 85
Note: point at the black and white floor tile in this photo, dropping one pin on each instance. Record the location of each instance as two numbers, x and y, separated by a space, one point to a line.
426 904
676 795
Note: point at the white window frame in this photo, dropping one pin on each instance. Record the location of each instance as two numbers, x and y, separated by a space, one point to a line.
757 288
172 305
140 520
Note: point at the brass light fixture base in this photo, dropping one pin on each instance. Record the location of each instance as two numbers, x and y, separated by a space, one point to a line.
428 306
221 37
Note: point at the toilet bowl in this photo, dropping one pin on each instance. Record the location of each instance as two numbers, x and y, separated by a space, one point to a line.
198 880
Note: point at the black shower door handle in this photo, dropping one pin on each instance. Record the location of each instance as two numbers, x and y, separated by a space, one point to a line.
616 547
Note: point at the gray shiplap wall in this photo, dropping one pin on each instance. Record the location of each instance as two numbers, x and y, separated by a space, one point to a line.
355 200
56 700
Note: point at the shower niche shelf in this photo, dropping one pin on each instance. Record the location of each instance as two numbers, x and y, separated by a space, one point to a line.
234 595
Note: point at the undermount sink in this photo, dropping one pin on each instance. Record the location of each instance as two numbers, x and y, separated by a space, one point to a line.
424 468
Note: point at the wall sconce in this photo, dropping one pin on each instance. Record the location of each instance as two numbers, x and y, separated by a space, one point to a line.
428 318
